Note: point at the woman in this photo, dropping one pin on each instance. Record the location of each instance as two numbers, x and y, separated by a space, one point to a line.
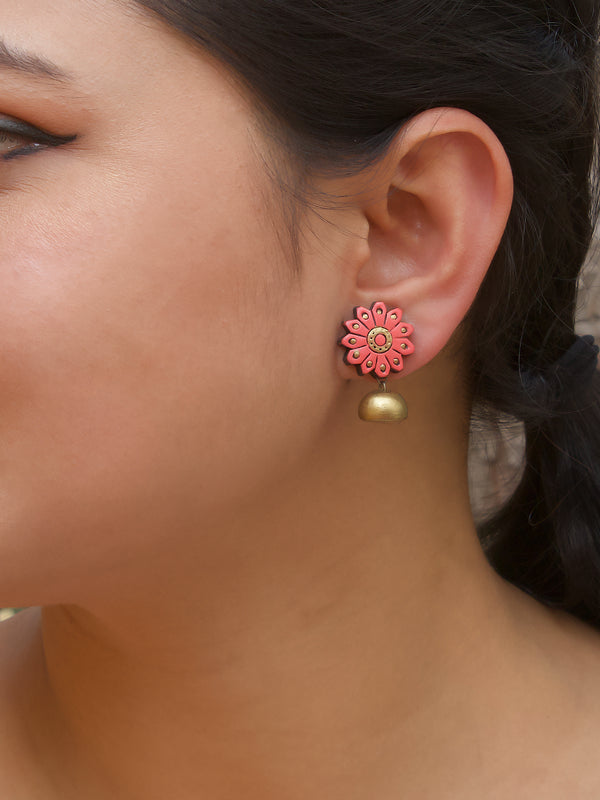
236 586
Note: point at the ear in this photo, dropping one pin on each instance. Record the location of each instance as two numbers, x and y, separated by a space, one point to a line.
434 220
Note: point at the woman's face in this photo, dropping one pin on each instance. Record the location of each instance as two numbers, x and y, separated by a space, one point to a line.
159 360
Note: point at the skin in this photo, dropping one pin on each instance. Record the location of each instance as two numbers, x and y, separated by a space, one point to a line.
237 588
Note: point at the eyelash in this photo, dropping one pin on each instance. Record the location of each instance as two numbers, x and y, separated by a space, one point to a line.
38 140
23 151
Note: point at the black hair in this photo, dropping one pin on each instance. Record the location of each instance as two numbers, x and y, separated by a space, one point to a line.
340 78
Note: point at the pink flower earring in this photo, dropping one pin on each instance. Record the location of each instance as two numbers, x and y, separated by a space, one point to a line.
376 344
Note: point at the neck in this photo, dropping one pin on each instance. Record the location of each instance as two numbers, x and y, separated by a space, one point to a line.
300 646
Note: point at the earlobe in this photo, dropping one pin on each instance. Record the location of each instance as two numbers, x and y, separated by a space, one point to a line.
435 225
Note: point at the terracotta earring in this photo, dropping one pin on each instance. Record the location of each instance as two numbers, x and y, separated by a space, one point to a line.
376 344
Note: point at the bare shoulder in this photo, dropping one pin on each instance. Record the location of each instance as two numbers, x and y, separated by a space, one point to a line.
567 650
581 656
16 637
17 775
575 648
15 633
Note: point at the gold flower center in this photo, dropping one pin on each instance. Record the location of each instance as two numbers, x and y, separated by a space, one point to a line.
379 340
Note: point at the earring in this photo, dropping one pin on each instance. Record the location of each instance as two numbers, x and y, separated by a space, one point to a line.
376 343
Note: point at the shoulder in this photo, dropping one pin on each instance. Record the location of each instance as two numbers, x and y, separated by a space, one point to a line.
14 635
541 716
577 655
17 769
568 722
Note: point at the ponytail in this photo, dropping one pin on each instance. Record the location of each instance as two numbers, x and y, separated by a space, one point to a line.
546 539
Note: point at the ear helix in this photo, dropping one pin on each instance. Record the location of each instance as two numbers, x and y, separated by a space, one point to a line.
376 344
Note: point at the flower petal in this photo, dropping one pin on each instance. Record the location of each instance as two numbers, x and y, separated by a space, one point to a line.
393 357
369 364
392 318
355 326
356 355
353 340
379 312
364 315
399 346
382 367
404 329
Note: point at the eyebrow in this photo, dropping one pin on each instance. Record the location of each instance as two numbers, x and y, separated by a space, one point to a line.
31 64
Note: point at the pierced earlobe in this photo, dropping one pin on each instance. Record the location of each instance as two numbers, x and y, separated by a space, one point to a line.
376 344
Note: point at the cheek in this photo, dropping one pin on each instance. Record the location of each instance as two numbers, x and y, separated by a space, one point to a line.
148 370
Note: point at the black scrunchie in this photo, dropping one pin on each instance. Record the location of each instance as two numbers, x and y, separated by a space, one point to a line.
565 384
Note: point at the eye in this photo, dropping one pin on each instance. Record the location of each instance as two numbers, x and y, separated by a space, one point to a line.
7 139
13 132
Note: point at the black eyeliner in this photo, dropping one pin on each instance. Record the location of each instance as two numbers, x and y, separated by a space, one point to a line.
28 131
